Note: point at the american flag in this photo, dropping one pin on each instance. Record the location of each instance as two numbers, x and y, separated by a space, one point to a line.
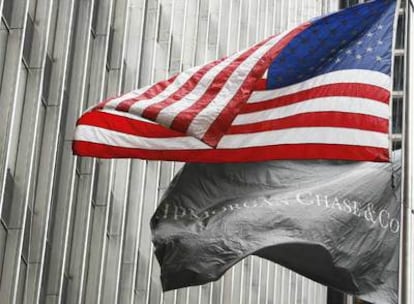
319 91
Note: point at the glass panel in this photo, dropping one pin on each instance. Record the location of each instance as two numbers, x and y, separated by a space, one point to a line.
347 3
400 38
4 34
46 79
7 11
110 43
398 73
38 148
110 213
123 77
22 282
396 145
65 288
335 297
359 301
46 271
8 198
16 123
32 7
26 236
95 17
28 38
3 238
397 104
106 83
95 181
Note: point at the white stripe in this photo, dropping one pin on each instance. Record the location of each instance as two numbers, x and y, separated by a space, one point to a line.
114 138
324 104
182 78
313 135
179 81
344 76
116 101
203 120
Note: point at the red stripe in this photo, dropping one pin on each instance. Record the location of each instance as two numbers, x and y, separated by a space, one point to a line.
182 121
298 151
224 119
316 119
126 125
260 85
151 92
339 89
152 111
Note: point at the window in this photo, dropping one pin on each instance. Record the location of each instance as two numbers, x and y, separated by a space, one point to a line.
17 120
124 68
46 79
110 44
26 235
22 281
95 182
28 39
398 73
8 198
347 3
4 35
398 82
94 17
3 238
396 115
8 11
400 39
335 297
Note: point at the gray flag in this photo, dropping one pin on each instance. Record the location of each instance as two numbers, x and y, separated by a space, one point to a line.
335 222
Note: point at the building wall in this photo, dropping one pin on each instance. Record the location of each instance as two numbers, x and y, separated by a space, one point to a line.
77 230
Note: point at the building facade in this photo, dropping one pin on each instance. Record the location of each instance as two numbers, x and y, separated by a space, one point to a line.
76 230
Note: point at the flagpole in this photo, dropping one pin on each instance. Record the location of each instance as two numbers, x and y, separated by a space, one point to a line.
406 254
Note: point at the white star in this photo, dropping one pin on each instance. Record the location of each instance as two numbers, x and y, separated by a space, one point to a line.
349 52
359 42
338 60
380 27
370 34
358 56
369 49
380 42
379 58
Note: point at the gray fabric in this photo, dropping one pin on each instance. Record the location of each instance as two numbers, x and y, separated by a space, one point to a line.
335 222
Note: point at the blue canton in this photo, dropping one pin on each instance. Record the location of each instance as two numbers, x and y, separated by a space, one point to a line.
356 38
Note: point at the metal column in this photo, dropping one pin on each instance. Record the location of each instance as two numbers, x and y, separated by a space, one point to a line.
406 255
